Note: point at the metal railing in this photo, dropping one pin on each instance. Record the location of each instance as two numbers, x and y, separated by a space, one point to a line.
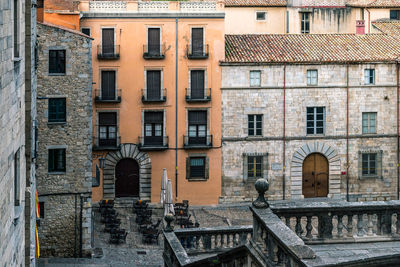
106 143
100 96
198 95
108 52
196 51
197 141
153 142
151 95
154 51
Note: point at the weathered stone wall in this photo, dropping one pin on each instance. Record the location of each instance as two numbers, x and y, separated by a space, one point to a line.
62 193
239 100
12 136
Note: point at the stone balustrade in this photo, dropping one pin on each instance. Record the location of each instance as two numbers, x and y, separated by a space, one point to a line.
337 222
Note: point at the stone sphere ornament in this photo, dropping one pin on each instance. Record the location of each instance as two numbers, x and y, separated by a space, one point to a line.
261 186
169 219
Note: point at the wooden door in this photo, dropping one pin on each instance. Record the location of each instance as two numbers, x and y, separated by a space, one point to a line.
153 36
197 41
315 176
127 178
197 84
108 85
107 41
153 85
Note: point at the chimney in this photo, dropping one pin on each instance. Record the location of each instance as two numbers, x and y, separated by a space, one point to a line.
39 10
360 26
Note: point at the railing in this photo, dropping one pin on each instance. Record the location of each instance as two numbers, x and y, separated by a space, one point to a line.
107 6
339 222
108 52
198 6
154 97
100 97
153 6
106 143
197 141
153 142
197 53
156 51
202 95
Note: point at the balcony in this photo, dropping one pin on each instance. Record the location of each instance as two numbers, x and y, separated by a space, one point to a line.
154 51
156 96
108 52
100 97
197 142
198 95
106 144
153 143
196 52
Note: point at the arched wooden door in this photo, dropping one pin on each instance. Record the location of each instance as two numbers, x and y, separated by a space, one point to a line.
315 176
127 178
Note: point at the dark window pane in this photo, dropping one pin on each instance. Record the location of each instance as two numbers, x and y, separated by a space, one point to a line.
86 31
57 61
57 110
56 161
197 167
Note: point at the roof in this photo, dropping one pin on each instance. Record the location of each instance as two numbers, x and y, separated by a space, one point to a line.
310 48
374 3
391 27
64 28
255 3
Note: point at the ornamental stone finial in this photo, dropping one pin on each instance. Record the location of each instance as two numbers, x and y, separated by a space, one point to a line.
169 218
261 186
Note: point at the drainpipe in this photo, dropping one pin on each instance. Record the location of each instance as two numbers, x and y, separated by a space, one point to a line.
284 132
176 108
80 228
75 231
397 123
347 132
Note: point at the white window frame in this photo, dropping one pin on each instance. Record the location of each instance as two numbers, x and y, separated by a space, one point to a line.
368 121
312 81
265 15
367 76
252 79
204 37
147 36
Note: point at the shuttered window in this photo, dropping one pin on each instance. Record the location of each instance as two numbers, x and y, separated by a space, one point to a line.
198 127
107 128
197 167
153 79
153 128
57 61
57 110
108 85
107 41
56 160
197 86
154 41
197 41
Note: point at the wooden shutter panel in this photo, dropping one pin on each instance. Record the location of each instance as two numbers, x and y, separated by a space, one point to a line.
153 117
207 168
154 84
108 85
107 41
197 84
108 118
188 168
153 41
52 61
197 41
198 117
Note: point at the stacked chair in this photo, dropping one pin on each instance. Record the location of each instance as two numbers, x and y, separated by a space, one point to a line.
149 230
182 216
112 223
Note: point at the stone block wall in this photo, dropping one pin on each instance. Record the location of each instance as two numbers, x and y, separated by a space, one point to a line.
239 100
64 194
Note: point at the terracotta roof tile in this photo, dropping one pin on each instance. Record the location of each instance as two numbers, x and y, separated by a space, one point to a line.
255 3
374 3
391 27
307 48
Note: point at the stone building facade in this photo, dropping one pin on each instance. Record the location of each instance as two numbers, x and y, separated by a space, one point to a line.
64 176
337 103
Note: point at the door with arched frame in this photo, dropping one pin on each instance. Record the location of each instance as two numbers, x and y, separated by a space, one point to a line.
315 176
127 178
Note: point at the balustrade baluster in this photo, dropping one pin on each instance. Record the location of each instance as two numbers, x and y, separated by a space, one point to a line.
298 228
360 225
309 227
398 223
340 226
350 225
288 222
325 225
370 224
379 223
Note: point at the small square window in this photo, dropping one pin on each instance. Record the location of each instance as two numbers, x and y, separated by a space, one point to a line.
57 160
255 125
197 167
369 122
369 76
255 78
86 31
57 110
57 61
395 14
312 77
254 166
261 15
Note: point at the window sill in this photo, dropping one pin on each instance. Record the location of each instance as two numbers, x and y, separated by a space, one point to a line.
56 123
17 59
369 134
315 135
198 179
370 177
57 74
56 173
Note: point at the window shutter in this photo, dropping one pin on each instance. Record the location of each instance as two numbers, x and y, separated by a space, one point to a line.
52 61
359 165
245 166
197 40
153 84
188 168
265 166
207 168
108 118
379 164
153 117
198 117
153 41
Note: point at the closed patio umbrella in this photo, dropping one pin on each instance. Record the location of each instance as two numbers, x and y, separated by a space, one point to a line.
164 181
169 206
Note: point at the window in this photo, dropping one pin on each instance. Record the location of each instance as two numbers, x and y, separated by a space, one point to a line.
39 3
312 77
255 78
57 61
369 76
16 29
395 14
86 31
108 85
108 129
153 84
17 178
57 110
57 160
370 163
254 166
41 209
197 84
198 127
315 120
197 41
154 41
261 15
255 125
197 167
107 42
368 122
153 128
305 22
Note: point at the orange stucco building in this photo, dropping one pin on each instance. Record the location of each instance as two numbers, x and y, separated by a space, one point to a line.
156 99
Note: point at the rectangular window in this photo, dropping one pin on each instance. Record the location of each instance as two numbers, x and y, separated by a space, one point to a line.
57 110
255 78
108 85
369 164
57 61
305 22
312 77
17 178
395 14
369 76
153 84
254 166
261 15
197 167
198 127
57 160
107 42
86 31
197 84
315 120
154 41
16 29
41 209
108 129
153 128
255 125
369 122
197 41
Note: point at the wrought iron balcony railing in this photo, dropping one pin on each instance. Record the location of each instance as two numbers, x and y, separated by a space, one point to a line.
108 52
106 143
198 95
154 95
154 51
101 96
197 51
194 142
153 142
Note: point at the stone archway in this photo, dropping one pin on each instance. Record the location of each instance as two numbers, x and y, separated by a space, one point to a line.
297 169
127 151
